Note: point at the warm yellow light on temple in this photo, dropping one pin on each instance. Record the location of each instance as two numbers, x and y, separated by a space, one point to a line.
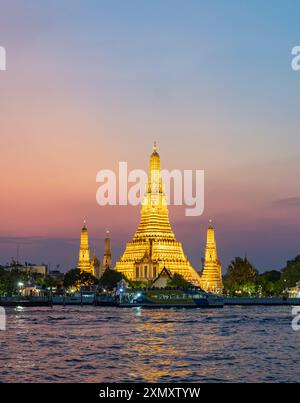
211 277
95 266
107 257
154 245
84 263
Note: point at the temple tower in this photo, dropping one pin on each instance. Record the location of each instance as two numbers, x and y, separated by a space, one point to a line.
107 258
95 266
84 251
154 245
211 276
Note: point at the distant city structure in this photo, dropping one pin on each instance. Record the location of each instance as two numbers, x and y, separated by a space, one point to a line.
294 292
211 276
56 275
28 268
92 266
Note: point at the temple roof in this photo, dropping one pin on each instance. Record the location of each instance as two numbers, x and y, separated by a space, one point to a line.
164 273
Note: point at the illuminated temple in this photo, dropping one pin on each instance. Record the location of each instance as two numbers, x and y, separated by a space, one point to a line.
84 263
154 245
92 266
211 276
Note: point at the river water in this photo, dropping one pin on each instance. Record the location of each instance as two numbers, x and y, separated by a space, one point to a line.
96 344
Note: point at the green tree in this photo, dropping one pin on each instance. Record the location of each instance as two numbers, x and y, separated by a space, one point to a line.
269 283
241 277
291 273
52 282
38 279
76 278
9 282
178 281
111 278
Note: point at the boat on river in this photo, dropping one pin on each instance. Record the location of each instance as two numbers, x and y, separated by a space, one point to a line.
170 298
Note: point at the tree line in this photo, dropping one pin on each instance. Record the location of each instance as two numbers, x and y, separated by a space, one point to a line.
241 279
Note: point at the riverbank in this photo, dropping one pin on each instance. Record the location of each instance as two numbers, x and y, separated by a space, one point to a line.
100 301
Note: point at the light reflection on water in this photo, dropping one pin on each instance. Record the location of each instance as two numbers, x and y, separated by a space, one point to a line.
89 344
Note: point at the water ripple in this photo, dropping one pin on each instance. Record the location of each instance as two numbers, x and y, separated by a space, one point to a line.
89 344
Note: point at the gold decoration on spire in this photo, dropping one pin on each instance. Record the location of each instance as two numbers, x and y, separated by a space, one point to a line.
154 245
211 277
84 251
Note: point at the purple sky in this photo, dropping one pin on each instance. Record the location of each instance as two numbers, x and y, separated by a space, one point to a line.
92 83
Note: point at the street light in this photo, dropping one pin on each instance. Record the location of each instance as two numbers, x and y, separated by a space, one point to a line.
20 285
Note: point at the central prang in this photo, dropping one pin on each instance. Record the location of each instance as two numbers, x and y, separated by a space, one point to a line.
154 245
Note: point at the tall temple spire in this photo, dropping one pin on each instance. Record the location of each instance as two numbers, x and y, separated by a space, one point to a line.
95 266
154 245
107 257
84 251
211 277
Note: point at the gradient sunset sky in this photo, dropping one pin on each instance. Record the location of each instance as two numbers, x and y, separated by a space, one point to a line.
94 82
